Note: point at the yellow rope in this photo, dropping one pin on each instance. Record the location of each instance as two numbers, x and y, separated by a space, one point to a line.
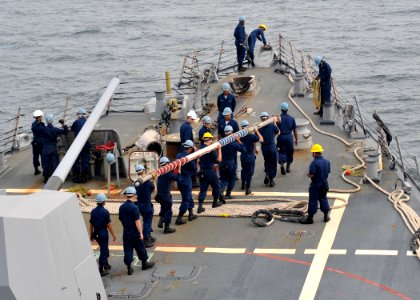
316 93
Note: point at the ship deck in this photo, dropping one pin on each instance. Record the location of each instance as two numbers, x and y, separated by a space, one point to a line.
362 253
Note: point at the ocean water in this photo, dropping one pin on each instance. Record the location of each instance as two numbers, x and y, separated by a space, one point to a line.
50 50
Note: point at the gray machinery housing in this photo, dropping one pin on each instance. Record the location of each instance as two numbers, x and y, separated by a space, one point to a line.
45 252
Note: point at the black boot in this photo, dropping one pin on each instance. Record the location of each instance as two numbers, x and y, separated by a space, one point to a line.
45 179
152 238
147 264
272 183
107 267
228 196
248 190
168 229
308 220
216 202
243 185
282 170
103 272
179 220
148 243
327 216
200 208
288 168
130 270
266 179
160 223
191 215
222 198
37 171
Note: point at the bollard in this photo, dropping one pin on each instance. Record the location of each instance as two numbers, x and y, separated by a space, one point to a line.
372 166
299 85
160 105
304 134
328 116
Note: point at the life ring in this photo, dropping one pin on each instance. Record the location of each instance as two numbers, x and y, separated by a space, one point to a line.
262 212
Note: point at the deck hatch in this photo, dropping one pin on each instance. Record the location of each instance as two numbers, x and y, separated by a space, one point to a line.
301 233
176 272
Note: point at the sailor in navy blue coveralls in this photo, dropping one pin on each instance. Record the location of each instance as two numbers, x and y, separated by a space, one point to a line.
228 164
144 202
268 148
208 175
285 142
185 187
240 37
81 165
318 172
164 196
100 223
252 39
38 140
129 216
248 158
324 75
205 128
225 99
49 150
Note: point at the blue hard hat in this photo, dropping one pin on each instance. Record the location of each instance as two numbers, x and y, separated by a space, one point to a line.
81 111
164 160
207 120
139 168
284 106
130 191
226 86
100 198
227 111
49 118
242 18
317 60
264 114
228 128
188 144
244 123
110 158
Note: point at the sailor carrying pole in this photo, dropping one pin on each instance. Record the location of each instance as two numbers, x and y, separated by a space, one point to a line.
227 140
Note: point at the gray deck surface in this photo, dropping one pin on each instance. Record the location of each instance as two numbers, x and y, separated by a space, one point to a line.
369 222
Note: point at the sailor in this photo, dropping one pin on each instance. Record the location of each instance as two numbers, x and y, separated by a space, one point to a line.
129 216
37 141
324 75
252 39
100 223
285 143
268 148
144 202
81 165
164 196
248 158
240 38
185 131
318 189
228 120
225 99
185 187
228 164
208 175
206 128
49 150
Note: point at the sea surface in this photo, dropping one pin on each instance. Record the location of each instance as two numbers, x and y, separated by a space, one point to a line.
51 50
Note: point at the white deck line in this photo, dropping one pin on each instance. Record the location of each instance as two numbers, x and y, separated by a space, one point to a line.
176 249
332 251
319 261
275 251
225 250
376 252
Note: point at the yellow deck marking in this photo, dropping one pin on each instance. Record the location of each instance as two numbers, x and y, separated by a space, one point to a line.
30 191
332 251
225 250
176 249
274 251
319 261
376 252
116 247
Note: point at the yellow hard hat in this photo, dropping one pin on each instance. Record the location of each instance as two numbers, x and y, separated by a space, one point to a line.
263 27
317 148
206 136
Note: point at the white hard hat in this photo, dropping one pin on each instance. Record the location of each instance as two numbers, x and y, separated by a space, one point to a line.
38 113
192 115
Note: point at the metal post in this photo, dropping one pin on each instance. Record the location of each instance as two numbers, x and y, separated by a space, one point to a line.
117 164
182 70
417 166
280 48
220 57
63 169
401 158
108 179
360 114
293 55
15 133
